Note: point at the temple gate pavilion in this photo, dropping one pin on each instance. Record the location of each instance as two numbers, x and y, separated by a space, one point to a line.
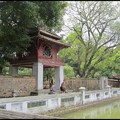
42 53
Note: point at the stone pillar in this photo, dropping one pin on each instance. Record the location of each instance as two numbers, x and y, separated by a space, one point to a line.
49 103
109 90
103 82
82 89
13 70
59 76
8 106
106 81
59 102
38 73
24 107
75 100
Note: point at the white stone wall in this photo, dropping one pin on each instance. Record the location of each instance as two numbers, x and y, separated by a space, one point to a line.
56 101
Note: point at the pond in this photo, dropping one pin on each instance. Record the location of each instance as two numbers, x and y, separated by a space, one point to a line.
102 111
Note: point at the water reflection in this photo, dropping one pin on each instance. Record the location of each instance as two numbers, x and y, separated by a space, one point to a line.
109 110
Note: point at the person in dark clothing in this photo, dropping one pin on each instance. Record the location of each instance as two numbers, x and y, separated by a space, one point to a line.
63 87
51 83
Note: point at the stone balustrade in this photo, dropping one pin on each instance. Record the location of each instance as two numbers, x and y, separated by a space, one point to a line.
44 102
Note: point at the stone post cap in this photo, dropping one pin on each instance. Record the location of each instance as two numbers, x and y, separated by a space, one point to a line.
108 86
82 88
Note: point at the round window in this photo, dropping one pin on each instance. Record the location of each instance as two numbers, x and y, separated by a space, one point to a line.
47 51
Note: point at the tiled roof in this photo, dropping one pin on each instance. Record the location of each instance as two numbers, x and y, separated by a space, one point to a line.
47 36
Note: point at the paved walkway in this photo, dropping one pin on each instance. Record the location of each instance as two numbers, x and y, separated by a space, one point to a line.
41 96
6 114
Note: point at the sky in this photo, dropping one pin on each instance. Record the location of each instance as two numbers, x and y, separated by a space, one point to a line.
65 31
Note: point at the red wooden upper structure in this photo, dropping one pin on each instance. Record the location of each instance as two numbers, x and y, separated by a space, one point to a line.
44 48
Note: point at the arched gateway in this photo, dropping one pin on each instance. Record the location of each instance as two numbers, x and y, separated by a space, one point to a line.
42 53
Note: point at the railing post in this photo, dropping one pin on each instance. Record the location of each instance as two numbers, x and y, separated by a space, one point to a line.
109 90
82 89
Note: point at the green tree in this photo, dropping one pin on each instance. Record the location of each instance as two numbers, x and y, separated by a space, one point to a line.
68 71
49 73
92 23
17 17
111 65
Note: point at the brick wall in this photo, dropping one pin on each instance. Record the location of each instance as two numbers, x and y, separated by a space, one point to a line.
75 84
114 83
22 85
25 85
89 84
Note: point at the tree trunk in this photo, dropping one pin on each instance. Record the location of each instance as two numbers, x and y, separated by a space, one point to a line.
1 69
